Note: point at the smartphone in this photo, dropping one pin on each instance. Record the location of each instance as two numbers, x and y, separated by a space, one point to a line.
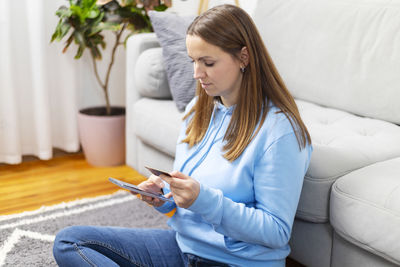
137 190
157 172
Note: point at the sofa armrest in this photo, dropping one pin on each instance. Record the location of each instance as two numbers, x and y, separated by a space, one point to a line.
136 44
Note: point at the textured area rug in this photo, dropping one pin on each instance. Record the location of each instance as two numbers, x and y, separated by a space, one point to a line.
26 239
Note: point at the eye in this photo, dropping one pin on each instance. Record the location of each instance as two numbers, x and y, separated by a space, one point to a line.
209 64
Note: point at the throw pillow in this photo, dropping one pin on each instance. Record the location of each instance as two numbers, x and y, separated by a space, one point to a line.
171 33
150 69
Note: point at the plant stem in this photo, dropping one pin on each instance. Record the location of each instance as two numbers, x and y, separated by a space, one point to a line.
105 85
97 73
105 88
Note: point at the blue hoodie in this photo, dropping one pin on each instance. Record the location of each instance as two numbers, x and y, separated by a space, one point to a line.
244 213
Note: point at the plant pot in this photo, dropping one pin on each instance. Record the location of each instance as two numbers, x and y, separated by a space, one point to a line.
102 136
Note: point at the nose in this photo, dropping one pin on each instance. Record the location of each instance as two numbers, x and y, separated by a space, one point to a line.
199 73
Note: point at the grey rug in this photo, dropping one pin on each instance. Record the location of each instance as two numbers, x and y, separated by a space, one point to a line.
26 239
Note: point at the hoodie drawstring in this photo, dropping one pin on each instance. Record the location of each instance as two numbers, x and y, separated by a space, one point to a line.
203 143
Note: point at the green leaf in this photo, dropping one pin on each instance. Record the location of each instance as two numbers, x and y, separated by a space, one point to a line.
160 7
77 10
103 45
96 39
99 18
128 2
79 52
63 12
69 41
79 39
127 37
110 26
96 54
53 37
56 33
137 10
93 13
64 30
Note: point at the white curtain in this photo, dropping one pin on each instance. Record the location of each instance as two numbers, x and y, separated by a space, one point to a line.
38 100
41 89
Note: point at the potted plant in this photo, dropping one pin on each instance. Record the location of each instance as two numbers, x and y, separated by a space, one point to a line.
82 22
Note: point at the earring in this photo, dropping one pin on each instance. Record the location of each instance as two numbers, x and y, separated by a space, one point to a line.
242 69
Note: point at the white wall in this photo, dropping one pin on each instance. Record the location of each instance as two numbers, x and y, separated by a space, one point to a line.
190 7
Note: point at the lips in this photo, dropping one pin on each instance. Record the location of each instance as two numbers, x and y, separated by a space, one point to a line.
205 85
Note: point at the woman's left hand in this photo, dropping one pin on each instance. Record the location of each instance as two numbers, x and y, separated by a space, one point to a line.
184 188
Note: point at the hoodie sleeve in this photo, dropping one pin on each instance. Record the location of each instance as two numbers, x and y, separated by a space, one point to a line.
278 179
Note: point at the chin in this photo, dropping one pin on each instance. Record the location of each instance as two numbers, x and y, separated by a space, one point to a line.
209 92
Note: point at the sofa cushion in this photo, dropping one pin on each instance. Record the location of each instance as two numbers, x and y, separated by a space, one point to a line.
171 32
365 208
151 77
342 143
337 53
157 123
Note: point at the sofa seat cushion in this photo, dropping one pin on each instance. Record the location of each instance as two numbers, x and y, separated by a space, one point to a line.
365 208
342 144
157 123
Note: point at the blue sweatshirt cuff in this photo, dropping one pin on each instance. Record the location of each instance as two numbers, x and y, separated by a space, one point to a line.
167 207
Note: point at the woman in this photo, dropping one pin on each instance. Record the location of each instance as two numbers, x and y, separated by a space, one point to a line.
241 156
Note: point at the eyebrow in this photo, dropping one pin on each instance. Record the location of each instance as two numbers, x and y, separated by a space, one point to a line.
203 58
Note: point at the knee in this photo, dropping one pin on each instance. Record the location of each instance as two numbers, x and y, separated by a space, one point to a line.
65 241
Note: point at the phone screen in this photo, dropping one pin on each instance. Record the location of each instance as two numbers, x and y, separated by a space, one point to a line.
137 190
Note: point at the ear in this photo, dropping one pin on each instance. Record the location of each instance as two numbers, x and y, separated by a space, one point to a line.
244 56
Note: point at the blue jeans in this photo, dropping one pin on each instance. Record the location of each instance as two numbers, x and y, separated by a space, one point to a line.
113 246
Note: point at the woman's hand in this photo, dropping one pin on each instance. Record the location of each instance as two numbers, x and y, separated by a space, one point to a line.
153 184
184 188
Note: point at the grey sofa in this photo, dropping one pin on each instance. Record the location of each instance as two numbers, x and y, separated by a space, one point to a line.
341 61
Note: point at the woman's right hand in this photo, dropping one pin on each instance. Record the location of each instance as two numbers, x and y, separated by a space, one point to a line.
153 184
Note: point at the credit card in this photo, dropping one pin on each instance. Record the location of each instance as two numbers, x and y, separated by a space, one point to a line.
157 172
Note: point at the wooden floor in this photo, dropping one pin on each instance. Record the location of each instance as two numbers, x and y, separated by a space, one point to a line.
30 185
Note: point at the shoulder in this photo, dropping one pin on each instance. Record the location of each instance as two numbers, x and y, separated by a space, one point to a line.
278 135
277 124
277 130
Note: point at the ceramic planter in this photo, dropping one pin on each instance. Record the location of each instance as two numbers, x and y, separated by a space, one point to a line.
102 137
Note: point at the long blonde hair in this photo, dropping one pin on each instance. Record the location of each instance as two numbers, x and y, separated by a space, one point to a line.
231 28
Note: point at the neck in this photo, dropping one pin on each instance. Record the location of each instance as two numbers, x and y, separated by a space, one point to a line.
227 102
